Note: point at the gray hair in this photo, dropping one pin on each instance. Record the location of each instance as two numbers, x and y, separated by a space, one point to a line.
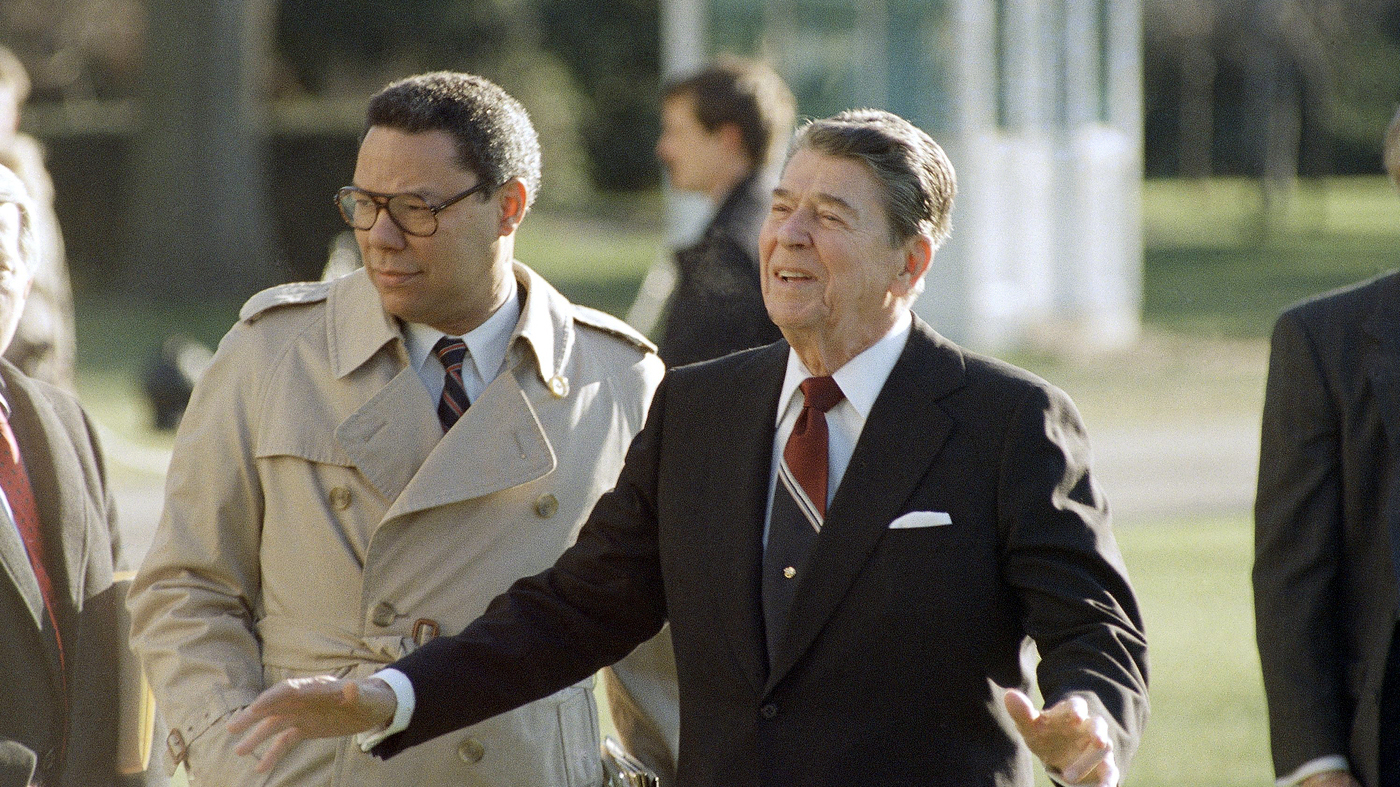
917 178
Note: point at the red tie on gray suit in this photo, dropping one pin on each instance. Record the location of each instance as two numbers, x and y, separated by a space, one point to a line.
799 505
14 481
453 402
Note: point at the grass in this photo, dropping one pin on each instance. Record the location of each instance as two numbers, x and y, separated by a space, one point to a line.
1217 272
1208 723
1216 266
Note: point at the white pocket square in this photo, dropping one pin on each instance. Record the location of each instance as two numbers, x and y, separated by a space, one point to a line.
921 519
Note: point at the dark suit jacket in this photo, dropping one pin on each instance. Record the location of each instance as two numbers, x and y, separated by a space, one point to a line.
75 508
1327 523
898 637
717 306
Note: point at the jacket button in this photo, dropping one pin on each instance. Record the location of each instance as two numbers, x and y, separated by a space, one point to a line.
383 614
769 711
340 498
559 386
546 505
471 750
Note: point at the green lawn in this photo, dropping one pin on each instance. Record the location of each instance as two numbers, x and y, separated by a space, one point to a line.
1208 724
1215 267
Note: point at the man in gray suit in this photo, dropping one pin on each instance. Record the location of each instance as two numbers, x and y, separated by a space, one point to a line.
58 548
1327 534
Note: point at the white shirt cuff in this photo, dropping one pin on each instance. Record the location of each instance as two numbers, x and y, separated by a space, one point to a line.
1332 762
403 711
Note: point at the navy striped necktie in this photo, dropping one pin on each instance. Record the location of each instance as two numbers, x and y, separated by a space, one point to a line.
453 402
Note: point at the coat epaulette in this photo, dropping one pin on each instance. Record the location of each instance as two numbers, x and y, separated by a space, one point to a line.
284 295
609 324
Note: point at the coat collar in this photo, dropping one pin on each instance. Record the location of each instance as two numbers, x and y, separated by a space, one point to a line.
358 326
501 437
907 422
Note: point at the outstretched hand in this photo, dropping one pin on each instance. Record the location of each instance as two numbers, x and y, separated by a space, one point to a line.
1067 738
303 708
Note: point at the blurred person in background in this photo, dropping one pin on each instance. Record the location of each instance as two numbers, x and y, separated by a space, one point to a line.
721 129
368 461
44 343
1327 534
59 549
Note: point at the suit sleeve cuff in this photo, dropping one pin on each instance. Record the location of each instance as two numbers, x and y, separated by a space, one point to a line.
403 711
1332 762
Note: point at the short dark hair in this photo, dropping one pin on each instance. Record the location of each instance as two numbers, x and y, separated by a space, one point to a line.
917 177
495 138
12 190
747 93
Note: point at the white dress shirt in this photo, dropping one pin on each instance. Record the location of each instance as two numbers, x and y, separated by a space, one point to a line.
861 380
487 345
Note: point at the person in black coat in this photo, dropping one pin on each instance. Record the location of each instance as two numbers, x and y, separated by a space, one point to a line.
60 610
1327 534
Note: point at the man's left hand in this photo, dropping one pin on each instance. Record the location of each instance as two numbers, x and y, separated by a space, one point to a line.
1073 743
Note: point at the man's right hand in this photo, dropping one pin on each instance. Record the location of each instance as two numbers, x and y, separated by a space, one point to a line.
1330 779
303 708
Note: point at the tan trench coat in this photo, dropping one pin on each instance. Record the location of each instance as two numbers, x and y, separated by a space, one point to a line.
318 520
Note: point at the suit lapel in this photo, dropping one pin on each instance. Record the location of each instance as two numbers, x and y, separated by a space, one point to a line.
740 441
64 514
906 423
499 443
392 433
15 560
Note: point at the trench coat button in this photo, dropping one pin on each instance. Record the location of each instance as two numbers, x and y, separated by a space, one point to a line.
340 498
471 750
789 572
769 711
559 386
175 743
383 614
546 505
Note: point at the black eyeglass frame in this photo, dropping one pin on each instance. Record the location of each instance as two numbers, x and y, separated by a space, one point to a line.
381 204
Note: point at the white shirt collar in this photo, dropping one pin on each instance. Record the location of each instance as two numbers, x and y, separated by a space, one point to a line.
860 378
487 343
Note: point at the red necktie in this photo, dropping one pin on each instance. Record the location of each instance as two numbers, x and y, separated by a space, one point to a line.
799 506
14 481
805 452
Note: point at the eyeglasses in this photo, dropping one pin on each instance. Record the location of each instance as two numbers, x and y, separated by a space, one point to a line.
409 212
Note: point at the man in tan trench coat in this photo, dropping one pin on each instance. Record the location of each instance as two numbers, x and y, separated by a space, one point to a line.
326 513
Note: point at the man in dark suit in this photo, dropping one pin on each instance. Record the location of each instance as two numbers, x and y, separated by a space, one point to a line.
1327 534
58 546
856 535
